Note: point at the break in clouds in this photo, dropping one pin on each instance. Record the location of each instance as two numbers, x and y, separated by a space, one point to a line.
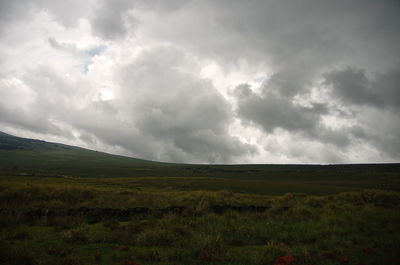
272 81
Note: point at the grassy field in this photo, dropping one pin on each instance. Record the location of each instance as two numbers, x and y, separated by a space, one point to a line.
67 205
60 221
20 156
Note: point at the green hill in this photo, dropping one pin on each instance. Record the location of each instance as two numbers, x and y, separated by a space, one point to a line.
28 156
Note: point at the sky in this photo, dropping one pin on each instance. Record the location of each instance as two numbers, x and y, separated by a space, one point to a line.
211 81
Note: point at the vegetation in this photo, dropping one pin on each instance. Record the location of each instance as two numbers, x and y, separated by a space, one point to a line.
76 206
38 226
30 158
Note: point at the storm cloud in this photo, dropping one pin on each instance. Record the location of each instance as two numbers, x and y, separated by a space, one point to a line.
353 87
271 81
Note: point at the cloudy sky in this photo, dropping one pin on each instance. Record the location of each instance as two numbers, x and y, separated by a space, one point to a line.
226 81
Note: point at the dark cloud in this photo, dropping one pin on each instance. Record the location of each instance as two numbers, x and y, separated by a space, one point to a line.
352 86
387 85
283 33
274 106
272 111
380 129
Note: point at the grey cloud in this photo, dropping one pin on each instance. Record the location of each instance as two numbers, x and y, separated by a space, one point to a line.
275 108
352 86
310 154
159 112
111 20
271 111
374 101
309 33
387 85
88 138
288 82
107 17
65 47
166 108
85 55
11 11
312 33
106 129
212 147
30 121
242 91
30 115
381 130
104 106
66 12
72 48
43 99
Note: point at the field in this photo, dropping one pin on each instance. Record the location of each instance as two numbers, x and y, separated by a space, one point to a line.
66 205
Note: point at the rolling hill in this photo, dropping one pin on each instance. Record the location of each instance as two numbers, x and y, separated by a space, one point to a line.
30 157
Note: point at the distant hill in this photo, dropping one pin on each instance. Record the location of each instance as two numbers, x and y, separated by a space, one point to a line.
21 156
10 142
29 156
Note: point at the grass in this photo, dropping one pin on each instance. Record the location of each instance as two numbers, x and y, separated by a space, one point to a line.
27 157
66 205
361 227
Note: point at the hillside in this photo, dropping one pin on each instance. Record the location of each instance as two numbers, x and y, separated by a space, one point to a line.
28 157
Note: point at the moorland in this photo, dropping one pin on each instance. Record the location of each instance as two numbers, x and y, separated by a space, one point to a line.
61 204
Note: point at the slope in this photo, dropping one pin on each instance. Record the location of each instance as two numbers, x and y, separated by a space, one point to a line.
28 156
